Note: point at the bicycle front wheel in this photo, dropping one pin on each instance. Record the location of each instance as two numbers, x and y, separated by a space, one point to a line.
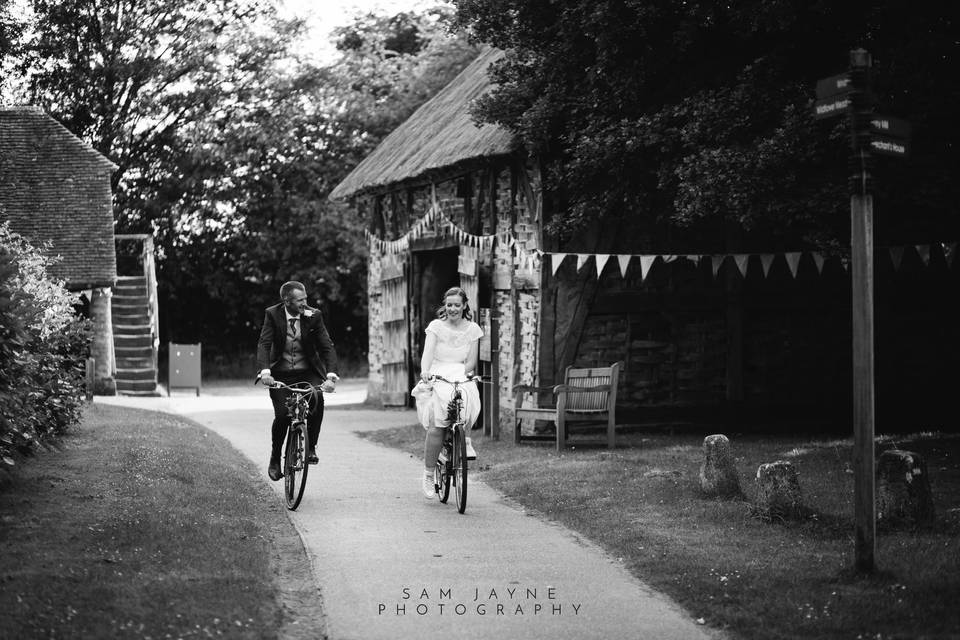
460 466
295 465
441 479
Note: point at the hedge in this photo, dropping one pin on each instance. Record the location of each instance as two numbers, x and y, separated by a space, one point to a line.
43 346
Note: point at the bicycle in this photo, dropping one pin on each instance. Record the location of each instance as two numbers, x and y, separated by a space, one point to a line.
295 464
452 461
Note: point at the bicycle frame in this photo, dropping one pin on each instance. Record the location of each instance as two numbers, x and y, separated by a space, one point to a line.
295 465
454 467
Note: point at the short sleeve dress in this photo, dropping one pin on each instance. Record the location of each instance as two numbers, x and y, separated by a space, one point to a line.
449 361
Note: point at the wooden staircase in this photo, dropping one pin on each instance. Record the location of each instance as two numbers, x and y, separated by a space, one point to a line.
135 337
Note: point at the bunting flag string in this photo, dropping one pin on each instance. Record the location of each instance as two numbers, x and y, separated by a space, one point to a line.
949 250
742 260
434 220
601 262
896 255
766 261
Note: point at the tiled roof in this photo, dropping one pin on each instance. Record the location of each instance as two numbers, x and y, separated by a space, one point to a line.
438 135
56 187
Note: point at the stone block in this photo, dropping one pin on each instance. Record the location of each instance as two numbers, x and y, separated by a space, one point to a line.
778 492
718 475
903 489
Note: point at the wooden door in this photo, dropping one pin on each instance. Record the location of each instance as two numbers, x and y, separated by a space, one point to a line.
396 370
469 276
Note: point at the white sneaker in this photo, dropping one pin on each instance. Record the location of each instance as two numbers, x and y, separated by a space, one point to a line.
429 491
471 454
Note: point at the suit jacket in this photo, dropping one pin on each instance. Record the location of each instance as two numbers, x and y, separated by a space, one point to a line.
314 338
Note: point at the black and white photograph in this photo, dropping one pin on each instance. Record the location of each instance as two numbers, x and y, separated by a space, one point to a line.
479 319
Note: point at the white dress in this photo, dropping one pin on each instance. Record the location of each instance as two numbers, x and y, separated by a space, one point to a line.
449 361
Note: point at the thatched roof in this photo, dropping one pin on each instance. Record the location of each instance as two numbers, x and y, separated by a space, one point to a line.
439 134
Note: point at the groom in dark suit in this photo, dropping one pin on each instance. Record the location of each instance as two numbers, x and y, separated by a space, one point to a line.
294 347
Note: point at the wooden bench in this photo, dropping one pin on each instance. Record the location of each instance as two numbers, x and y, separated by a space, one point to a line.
587 396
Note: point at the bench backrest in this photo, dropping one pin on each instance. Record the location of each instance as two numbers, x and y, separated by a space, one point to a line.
591 377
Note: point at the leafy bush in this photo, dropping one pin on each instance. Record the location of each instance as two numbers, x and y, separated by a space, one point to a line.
42 348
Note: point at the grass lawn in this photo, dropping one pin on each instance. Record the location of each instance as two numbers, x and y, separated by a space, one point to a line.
754 579
145 525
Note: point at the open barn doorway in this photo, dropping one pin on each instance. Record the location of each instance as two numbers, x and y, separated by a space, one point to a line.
434 272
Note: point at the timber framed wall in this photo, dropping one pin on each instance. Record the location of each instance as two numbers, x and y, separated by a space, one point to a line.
495 198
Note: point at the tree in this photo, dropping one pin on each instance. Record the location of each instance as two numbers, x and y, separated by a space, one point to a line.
282 163
227 147
130 76
10 31
695 114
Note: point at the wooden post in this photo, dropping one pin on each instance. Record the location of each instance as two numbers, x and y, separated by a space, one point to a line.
861 270
494 407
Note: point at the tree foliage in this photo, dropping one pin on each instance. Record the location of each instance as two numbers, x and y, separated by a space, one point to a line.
283 162
228 145
698 113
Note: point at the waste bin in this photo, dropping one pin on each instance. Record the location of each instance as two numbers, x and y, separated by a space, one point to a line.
184 367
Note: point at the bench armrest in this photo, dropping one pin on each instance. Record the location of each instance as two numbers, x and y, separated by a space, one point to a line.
566 388
530 388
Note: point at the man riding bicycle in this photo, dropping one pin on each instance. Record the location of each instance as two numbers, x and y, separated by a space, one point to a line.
294 346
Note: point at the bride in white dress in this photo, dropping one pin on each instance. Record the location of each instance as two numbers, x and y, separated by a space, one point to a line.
449 350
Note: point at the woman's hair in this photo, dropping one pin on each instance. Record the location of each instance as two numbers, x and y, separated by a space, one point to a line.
454 291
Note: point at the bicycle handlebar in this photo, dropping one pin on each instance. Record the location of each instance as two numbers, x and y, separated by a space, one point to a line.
296 387
473 378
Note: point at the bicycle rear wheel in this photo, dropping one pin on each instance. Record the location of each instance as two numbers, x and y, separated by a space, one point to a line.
295 465
460 466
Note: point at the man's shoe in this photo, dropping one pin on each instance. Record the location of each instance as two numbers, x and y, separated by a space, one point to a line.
274 470
312 457
429 491
471 454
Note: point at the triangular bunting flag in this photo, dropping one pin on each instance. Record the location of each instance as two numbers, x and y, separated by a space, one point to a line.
742 259
668 259
581 260
793 261
645 263
818 260
924 251
624 261
896 257
601 262
694 259
717 261
949 250
556 259
766 260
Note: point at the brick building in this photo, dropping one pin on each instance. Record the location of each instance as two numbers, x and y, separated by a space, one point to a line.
716 327
55 187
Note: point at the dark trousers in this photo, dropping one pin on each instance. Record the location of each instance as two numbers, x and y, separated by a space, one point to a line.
281 419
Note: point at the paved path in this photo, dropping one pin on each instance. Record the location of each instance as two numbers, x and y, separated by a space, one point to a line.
392 565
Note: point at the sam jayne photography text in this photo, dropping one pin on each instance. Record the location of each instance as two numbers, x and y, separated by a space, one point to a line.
510 600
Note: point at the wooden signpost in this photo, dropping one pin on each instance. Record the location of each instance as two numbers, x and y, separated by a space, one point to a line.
849 94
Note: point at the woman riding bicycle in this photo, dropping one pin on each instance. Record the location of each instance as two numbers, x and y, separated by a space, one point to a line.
450 350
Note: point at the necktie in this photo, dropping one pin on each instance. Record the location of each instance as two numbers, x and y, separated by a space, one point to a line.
293 327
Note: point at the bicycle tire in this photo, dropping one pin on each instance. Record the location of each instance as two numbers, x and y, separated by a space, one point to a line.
295 465
442 480
460 466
